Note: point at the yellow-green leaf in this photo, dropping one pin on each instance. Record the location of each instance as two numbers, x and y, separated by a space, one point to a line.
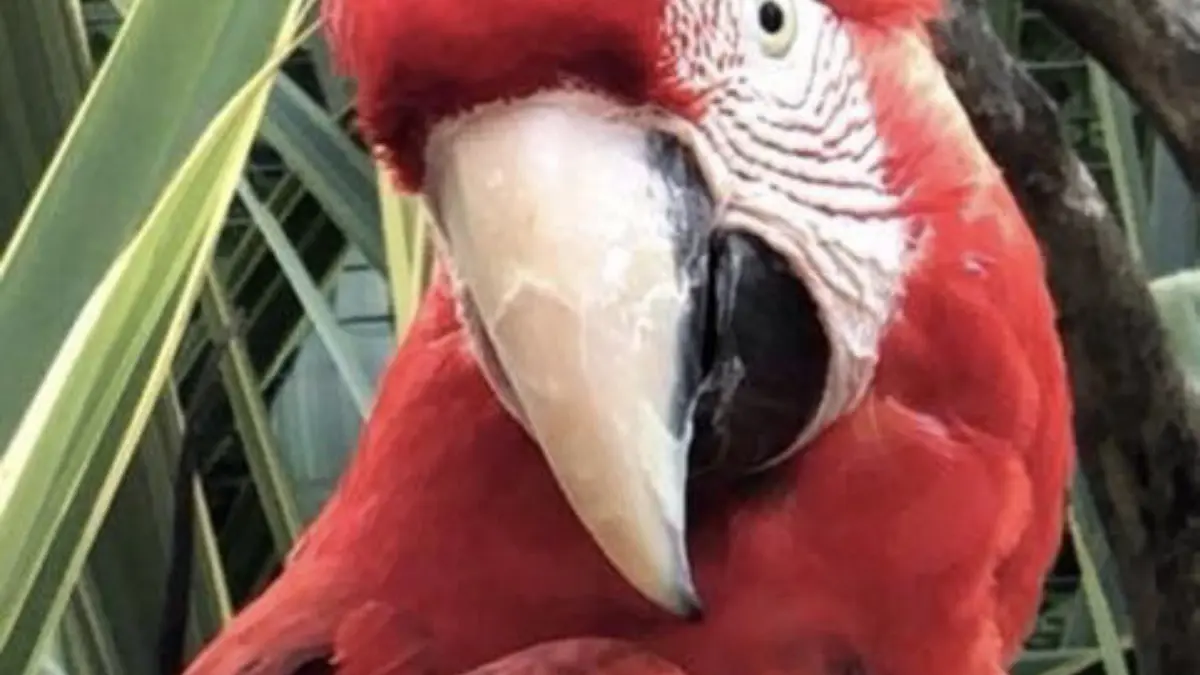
83 414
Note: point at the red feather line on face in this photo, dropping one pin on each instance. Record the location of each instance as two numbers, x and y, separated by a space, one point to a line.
418 61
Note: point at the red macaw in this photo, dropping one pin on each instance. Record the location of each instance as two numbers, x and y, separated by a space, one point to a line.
739 259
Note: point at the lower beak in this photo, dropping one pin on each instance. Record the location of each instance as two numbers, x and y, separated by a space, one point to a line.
583 246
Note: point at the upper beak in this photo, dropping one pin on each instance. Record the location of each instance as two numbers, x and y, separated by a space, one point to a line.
583 242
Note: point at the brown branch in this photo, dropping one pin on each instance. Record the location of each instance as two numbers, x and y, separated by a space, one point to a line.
1152 47
1138 443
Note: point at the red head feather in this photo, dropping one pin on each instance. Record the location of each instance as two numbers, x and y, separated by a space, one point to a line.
417 61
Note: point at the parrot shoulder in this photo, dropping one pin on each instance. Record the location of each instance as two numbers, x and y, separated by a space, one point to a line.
313 621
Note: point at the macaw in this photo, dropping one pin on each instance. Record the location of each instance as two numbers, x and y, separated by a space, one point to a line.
739 357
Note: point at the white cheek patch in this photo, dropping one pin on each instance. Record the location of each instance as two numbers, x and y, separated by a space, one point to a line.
800 163
855 273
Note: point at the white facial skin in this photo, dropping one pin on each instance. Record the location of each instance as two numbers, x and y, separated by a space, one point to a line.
789 143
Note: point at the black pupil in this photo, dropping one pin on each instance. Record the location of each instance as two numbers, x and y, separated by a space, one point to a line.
770 17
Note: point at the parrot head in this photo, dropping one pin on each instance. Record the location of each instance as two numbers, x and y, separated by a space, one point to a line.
677 230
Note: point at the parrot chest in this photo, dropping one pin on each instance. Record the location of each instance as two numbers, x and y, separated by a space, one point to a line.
884 532
833 569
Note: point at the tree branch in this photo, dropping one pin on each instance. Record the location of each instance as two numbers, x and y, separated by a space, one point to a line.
1137 438
1152 47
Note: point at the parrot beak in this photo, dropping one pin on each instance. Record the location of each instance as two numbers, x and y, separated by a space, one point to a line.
583 245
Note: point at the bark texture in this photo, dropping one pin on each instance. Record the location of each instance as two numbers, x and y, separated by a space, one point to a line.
1152 47
1136 431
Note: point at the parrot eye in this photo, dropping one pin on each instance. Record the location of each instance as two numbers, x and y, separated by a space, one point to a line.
776 26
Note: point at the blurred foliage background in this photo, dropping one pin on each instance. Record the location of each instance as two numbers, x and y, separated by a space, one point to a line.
195 238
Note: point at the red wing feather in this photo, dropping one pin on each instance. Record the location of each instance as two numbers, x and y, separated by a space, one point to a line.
582 656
